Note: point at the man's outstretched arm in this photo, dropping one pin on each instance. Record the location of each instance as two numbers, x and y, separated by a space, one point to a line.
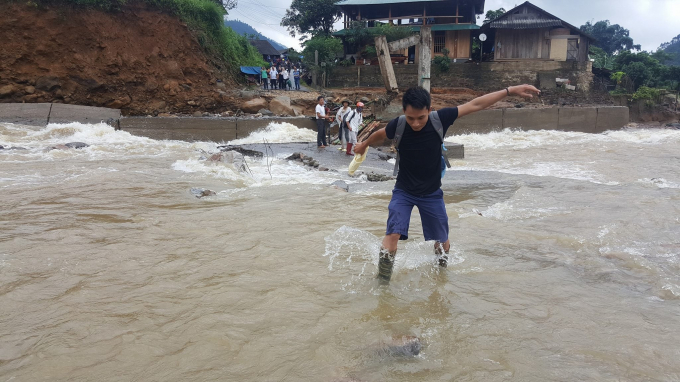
375 138
481 103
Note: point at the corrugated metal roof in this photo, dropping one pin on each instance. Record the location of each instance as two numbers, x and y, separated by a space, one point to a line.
264 47
526 23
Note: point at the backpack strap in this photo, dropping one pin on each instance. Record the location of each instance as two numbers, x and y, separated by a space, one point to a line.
349 120
439 128
401 125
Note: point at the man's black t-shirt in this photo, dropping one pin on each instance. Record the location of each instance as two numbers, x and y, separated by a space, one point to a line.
420 154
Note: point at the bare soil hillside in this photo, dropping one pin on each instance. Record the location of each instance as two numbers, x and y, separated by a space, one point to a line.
138 59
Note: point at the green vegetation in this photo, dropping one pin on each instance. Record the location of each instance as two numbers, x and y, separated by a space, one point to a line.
610 38
443 63
310 18
640 74
673 48
329 49
359 35
490 15
646 93
204 18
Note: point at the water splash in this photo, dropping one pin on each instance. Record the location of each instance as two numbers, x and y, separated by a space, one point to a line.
353 253
278 133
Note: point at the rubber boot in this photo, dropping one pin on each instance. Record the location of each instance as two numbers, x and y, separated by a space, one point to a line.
349 149
442 256
385 265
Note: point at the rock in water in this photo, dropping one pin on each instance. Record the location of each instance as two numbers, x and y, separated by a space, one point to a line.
57 147
201 192
339 184
76 145
372 177
244 151
405 346
294 156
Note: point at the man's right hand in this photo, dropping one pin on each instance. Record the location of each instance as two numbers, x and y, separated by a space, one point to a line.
360 148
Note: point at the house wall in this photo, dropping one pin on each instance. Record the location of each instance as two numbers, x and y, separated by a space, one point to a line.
522 44
558 50
458 44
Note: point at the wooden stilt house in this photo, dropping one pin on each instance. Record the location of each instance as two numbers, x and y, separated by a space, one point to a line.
527 32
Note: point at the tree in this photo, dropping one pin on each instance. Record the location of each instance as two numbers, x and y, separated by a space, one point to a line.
490 15
311 18
602 59
329 49
673 48
638 73
227 4
610 38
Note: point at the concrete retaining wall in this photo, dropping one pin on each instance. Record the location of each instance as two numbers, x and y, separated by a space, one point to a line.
579 119
40 114
203 129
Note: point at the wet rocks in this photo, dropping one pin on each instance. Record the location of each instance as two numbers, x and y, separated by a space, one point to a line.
295 156
673 125
385 156
232 157
266 112
254 105
202 192
307 161
340 185
68 146
57 147
405 346
76 145
373 177
244 151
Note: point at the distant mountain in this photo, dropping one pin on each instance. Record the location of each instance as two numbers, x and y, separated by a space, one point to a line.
672 47
240 27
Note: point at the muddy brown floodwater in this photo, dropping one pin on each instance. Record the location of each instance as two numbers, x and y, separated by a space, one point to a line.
565 265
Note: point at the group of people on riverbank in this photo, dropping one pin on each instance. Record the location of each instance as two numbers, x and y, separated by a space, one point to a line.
281 78
348 121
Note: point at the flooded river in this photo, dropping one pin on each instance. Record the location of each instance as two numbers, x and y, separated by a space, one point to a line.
565 265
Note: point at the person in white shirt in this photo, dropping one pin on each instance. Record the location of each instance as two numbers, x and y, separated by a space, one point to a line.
284 74
343 130
354 120
320 123
273 74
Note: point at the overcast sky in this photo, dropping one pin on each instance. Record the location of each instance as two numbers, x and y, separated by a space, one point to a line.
651 22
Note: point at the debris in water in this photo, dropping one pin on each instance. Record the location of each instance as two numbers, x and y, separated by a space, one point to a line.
202 192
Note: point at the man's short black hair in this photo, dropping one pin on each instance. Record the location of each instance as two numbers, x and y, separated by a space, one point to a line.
318 98
417 97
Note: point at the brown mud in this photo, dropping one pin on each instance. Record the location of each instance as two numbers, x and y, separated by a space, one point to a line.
137 60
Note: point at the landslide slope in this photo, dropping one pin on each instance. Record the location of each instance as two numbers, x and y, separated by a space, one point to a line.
137 59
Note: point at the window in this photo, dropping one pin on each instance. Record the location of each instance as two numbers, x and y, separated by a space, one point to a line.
439 41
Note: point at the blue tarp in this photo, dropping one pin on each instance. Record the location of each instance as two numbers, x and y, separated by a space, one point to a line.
251 70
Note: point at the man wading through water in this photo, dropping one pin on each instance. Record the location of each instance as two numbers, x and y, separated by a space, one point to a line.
420 165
